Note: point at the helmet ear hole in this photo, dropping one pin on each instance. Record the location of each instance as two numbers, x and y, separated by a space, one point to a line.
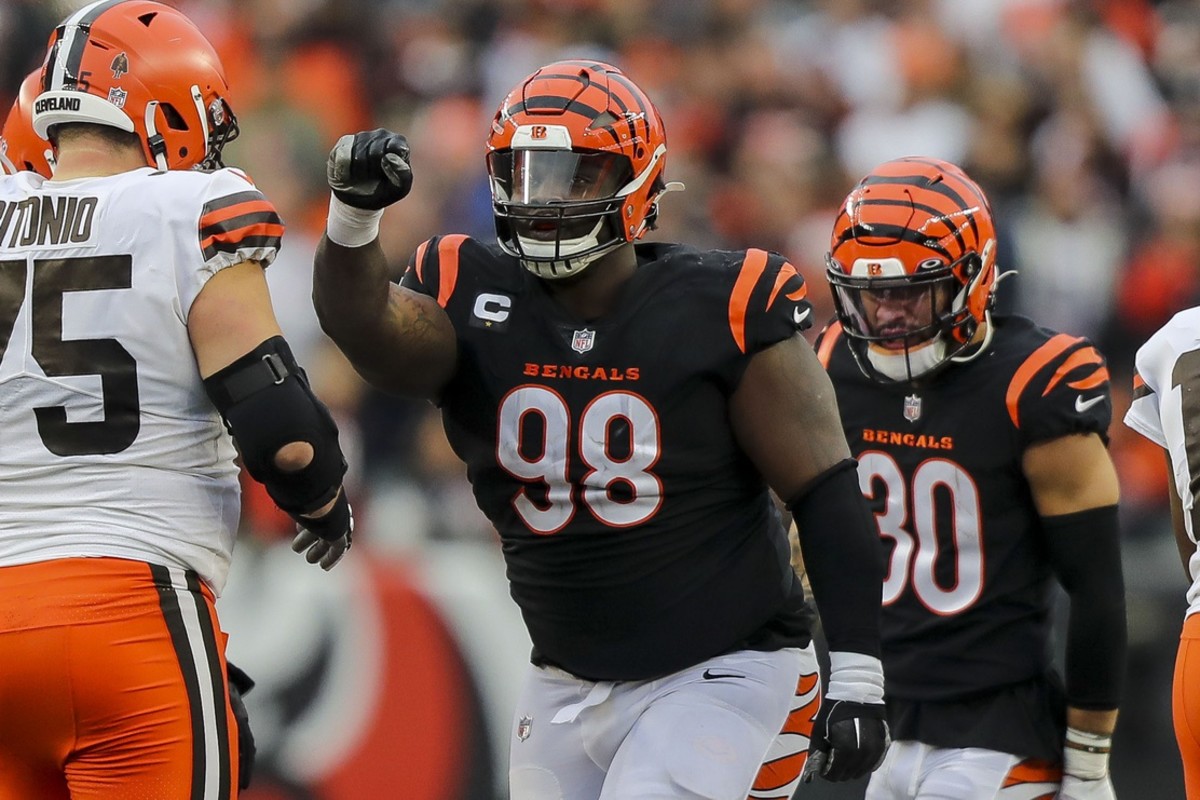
174 119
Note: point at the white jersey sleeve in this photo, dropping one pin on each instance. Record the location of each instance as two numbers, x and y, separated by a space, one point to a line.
110 445
1166 410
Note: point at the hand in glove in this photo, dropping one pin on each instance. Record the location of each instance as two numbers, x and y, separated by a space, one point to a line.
326 539
849 740
370 170
1074 788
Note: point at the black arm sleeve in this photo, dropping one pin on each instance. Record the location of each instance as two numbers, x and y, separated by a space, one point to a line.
843 557
266 402
1085 553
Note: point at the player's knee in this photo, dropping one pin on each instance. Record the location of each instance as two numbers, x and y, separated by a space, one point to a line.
716 764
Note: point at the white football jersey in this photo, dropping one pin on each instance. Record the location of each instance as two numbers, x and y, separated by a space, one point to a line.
109 445
1166 410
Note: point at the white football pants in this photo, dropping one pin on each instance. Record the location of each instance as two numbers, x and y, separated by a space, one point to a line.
915 771
698 734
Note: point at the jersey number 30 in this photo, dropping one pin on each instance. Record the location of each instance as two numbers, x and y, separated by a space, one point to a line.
642 490
915 555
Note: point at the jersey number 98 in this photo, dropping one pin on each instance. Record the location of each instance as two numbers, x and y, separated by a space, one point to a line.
641 489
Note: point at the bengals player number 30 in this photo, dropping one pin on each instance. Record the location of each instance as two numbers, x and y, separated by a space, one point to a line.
981 447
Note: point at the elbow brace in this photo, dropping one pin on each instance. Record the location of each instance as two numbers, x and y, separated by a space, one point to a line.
843 556
266 402
1085 552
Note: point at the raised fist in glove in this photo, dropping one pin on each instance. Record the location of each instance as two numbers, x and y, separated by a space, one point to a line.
849 740
370 169
324 540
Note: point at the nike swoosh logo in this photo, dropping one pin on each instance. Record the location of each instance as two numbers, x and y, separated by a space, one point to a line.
1082 405
709 675
798 317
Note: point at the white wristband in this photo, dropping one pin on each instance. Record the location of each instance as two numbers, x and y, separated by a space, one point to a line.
350 226
1086 754
854 677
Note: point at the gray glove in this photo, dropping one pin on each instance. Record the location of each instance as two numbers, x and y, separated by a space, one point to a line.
370 169
322 548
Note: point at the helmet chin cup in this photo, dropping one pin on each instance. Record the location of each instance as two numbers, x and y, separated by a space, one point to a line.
908 364
565 268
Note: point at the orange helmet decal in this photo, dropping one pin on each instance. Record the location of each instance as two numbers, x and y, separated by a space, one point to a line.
915 208
593 146
21 148
142 67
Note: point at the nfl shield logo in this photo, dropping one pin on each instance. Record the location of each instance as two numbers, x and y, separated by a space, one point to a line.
583 340
912 408
524 728
117 96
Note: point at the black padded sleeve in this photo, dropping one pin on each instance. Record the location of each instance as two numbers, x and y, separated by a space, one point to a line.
266 402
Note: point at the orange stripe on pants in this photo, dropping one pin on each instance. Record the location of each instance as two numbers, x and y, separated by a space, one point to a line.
1185 704
93 688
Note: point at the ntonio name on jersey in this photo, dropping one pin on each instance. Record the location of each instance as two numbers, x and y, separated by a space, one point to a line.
47 220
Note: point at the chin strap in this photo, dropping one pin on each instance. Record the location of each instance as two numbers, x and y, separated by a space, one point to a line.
154 139
987 320
987 339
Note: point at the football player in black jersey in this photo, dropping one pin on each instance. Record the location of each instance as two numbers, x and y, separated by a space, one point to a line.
623 410
981 443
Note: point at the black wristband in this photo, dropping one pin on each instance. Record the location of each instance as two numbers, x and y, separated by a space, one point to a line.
334 525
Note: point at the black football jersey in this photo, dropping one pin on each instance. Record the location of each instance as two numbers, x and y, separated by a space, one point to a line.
639 539
966 599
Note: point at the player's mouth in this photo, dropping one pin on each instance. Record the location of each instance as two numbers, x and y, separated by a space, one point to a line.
899 343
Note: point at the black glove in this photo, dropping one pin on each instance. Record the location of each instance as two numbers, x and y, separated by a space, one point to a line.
326 539
849 741
240 685
369 170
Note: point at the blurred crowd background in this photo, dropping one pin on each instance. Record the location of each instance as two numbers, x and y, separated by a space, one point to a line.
1081 118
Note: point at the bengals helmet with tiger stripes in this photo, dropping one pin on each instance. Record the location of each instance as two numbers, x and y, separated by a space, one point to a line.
144 68
20 148
576 157
912 267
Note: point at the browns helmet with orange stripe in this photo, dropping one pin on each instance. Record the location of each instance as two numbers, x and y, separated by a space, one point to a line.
144 68
576 157
20 148
912 267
